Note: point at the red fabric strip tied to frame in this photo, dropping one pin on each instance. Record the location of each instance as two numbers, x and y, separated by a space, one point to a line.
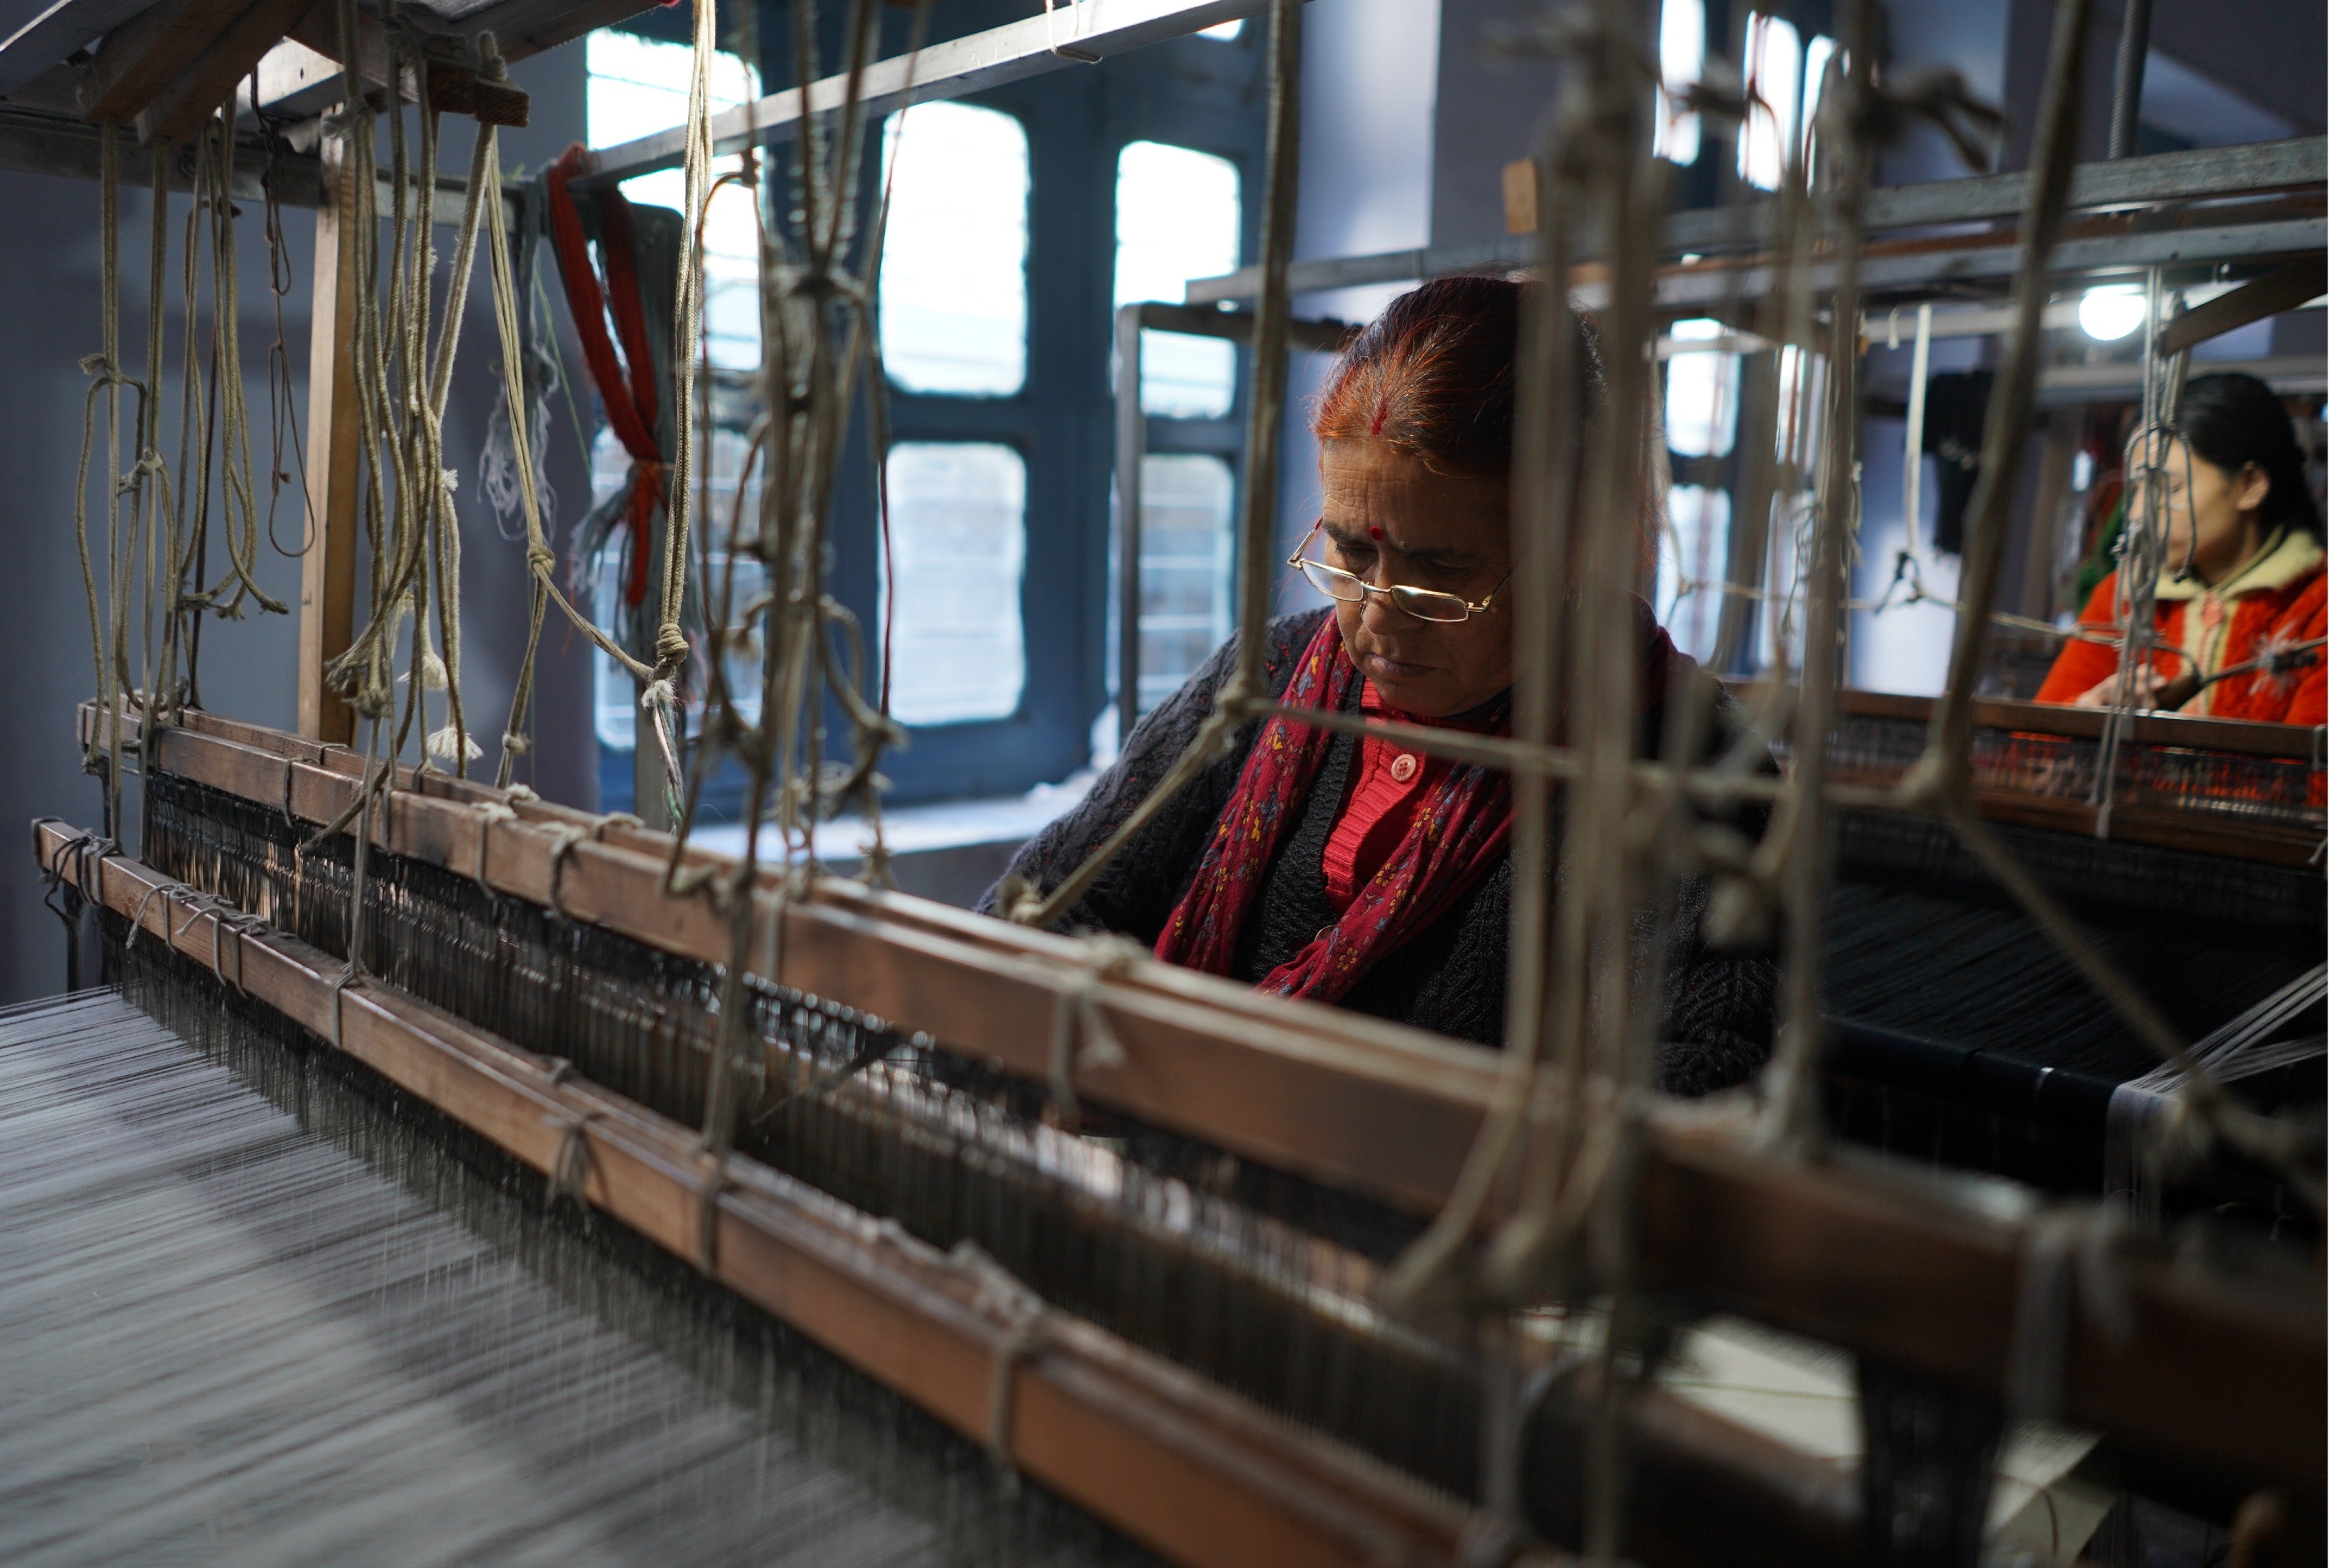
630 402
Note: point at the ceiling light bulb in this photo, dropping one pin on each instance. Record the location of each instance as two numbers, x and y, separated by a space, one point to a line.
2110 312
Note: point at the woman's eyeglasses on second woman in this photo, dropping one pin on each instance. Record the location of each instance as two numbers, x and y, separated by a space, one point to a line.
1423 603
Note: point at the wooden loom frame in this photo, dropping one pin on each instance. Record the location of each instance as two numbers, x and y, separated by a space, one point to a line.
1914 1270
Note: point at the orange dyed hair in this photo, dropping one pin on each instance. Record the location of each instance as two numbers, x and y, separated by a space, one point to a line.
1434 375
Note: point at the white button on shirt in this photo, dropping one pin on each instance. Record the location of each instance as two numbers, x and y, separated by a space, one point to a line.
1403 767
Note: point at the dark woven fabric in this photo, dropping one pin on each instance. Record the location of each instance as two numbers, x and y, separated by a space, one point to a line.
1451 979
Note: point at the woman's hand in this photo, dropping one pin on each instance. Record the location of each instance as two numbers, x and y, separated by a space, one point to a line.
2150 690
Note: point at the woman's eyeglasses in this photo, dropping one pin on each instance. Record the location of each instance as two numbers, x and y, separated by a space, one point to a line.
1423 603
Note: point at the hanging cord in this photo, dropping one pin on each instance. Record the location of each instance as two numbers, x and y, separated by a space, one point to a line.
662 697
282 407
239 496
2142 546
540 560
105 614
1849 117
2062 1248
1241 695
813 348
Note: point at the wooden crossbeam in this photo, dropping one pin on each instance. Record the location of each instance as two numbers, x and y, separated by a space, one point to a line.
191 98
2283 289
146 53
453 87
2222 1375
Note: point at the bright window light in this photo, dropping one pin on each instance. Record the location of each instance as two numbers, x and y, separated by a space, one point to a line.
1802 380
1702 393
1681 59
1227 32
954 263
2110 312
1177 215
1775 67
958 525
1186 555
637 86
1691 566
1816 55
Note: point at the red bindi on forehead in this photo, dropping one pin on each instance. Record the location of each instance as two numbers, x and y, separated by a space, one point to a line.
1374 532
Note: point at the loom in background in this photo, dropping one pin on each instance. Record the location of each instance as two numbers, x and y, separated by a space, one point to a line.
1962 1034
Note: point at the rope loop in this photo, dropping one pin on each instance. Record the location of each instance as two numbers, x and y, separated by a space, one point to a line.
569 836
2084 1242
350 976
1005 1295
1076 26
707 1215
1076 1014
570 1166
488 813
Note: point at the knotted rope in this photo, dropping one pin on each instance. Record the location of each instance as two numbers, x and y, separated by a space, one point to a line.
1080 1035
1005 1295
2057 1246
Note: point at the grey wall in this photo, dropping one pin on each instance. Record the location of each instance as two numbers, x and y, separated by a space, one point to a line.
49 270
1368 88
1489 103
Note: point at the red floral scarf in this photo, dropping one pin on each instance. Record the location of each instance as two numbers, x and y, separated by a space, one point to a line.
1459 830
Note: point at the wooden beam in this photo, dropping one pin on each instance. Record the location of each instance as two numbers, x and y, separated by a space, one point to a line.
327 572
2283 289
183 106
1193 1471
56 32
453 87
146 53
2219 1372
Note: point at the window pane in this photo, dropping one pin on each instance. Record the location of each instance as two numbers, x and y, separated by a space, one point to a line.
1702 393
1682 57
1177 212
1816 55
1226 31
1186 555
958 528
954 263
1691 566
1775 64
638 86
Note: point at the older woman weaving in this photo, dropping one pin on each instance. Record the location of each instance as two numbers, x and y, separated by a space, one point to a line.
1310 863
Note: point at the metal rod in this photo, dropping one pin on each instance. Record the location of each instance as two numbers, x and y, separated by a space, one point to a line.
1131 449
954 69
2127 77
2196 175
